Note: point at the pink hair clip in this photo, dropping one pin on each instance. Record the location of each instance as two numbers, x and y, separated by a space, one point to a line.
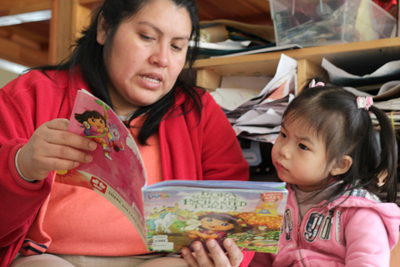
313 84
364 102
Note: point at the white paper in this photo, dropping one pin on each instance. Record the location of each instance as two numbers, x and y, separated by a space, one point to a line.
231 98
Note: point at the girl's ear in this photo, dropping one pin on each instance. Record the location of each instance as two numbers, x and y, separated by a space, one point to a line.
342 166
101 30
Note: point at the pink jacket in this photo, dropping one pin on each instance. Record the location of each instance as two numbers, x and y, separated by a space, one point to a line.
205 150
361 231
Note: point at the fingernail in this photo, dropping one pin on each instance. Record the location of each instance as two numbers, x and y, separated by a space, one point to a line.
92 145
88 158
211 243
184 252
196 247
228 242
76 164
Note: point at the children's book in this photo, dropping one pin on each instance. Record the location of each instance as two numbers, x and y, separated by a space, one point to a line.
172 214
180 212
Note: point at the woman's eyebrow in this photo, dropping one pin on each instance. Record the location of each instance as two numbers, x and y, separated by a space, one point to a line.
160 31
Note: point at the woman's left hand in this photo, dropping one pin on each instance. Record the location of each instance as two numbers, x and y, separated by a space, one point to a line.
216 257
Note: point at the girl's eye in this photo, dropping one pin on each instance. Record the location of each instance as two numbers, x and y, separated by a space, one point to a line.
303 147
101 121
225 224
208 219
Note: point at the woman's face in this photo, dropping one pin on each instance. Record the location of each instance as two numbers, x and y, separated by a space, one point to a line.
147 54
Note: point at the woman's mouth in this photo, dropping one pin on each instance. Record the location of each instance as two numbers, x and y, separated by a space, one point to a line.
151 79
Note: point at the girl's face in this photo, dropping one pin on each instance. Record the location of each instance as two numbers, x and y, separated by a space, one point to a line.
99 123
299 157
215 224
147 54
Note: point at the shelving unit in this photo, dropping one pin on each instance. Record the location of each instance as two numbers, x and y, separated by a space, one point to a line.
356 58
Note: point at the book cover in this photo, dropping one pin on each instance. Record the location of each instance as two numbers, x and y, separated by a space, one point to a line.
116 171
171 214
178 213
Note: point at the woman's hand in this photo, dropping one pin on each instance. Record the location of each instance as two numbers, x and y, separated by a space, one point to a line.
51 148
216 258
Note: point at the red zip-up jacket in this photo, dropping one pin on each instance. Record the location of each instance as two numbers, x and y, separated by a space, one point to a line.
190 149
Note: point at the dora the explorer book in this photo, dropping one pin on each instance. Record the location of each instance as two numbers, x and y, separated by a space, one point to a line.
172 214
178 213
116 171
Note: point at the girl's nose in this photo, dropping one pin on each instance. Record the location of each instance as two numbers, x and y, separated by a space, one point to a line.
284 151
160 57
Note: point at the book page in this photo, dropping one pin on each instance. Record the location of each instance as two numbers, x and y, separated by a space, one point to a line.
117 171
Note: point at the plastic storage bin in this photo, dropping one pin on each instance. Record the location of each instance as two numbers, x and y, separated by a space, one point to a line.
322 22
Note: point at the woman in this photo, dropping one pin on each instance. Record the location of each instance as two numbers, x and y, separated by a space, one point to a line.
131 57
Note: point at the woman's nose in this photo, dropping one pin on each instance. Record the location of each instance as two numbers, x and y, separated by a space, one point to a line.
160 57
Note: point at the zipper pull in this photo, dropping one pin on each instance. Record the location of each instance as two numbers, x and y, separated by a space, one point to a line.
298 236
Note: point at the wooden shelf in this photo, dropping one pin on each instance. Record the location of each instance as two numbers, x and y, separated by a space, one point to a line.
356 58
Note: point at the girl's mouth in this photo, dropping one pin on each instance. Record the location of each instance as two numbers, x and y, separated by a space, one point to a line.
280 167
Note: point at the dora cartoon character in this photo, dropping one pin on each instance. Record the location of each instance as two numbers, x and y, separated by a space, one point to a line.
95 128
214 225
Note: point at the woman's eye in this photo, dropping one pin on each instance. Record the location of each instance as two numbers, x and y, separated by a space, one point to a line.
145 37
176 48
283 135
303 147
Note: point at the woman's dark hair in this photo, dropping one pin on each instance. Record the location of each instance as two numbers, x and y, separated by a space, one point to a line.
332 114
88 54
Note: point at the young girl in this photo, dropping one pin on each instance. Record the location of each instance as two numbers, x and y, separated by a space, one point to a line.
329 155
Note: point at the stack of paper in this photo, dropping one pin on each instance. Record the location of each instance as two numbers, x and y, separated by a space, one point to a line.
255 110
385 79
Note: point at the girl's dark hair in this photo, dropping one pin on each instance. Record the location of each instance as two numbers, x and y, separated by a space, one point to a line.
87 115
332 114
88 54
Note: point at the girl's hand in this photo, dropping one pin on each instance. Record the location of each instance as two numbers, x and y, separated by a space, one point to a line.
51 148
216 258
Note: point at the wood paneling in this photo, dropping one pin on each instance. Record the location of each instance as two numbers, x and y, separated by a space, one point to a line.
48 42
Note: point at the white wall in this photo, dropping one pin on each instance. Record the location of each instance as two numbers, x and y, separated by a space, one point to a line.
6 76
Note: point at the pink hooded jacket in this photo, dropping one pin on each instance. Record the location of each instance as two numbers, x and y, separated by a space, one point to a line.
361 231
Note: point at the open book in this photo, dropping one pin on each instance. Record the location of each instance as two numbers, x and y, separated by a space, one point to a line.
172 214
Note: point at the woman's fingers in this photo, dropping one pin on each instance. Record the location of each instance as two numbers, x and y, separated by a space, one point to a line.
52 147
201 255
217 257
235 255
189 258
55 132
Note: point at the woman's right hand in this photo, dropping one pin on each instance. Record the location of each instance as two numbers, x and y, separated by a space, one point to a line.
52 148
216 257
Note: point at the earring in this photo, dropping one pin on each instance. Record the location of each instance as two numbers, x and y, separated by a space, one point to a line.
381 182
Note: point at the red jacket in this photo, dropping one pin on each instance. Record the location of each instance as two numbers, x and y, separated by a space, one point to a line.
190 149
